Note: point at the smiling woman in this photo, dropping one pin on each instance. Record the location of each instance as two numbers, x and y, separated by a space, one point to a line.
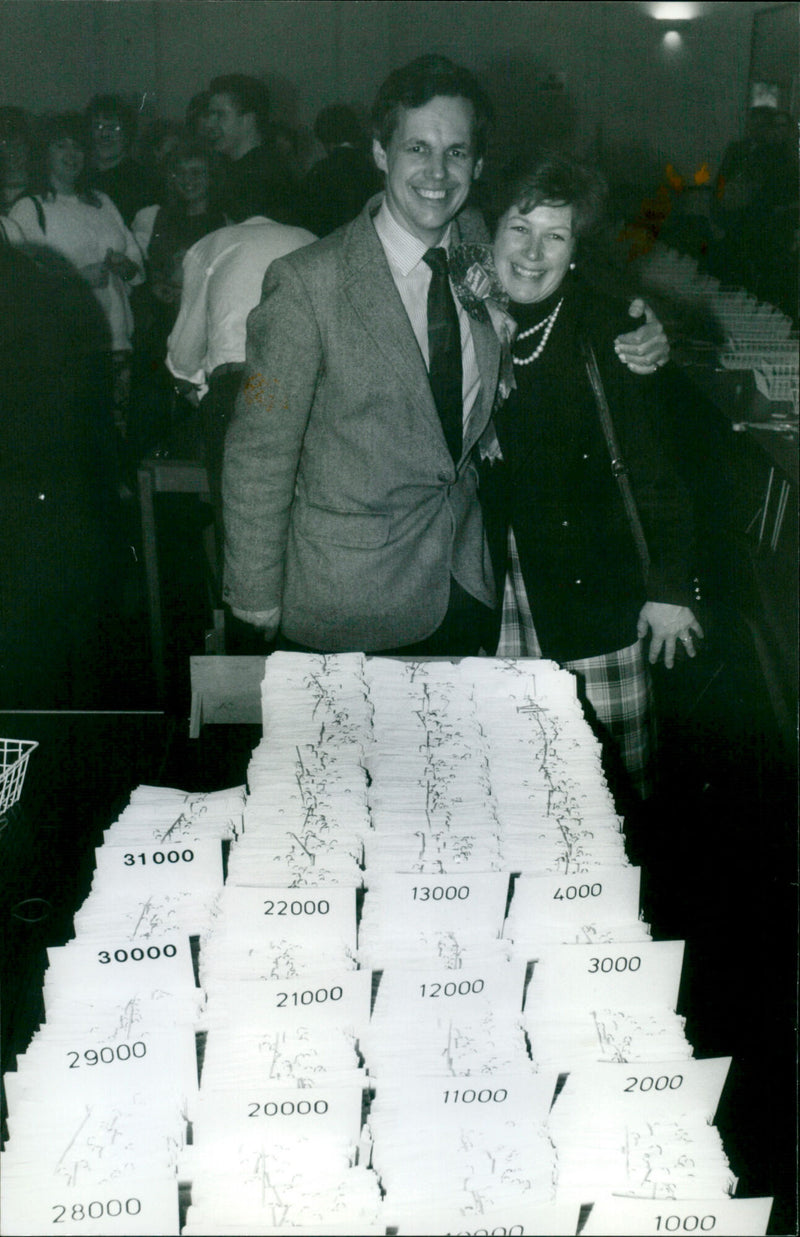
582 585
533 251
80 223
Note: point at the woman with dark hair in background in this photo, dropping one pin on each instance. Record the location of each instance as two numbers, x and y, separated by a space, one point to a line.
595 560
64 213
190 210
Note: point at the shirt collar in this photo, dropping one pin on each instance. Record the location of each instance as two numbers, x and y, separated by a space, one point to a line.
403 250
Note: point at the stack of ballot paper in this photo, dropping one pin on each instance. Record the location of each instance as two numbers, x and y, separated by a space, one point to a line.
262 933
641 1130
306 818
483 1038
430 791
451 1045
600 904
260 1182
98 1105
555 810
159 815
464 1144
307 813
277 1127
452 922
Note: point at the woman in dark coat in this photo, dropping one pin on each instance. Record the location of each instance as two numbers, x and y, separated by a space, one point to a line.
581 587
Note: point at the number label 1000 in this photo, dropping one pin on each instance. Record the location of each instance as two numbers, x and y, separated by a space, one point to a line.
685 1224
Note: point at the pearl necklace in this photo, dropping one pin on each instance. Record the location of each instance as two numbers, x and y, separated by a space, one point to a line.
548 323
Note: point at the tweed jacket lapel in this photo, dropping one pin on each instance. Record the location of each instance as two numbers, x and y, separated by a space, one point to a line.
374 297
372 293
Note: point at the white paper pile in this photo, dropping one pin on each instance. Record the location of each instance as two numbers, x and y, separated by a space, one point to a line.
555 810
159 815
448 922
307 813
99 1102
606 1035
757 336
643 1131
430 794
256 1183
276 934
464 1145
299 1033
98 1166
599 905
475 1047
278 1123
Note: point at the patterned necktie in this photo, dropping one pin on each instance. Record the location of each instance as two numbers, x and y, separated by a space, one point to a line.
444 351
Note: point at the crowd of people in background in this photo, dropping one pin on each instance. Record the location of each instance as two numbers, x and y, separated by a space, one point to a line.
123 203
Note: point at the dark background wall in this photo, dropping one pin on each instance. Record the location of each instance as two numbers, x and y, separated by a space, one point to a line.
596 76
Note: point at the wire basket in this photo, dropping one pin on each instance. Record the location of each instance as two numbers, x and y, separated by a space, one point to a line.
14 755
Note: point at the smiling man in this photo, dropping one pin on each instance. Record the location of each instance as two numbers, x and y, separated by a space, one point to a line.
352 519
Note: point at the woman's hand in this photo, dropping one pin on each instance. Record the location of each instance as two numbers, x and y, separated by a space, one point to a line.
668 624
119 264
646 349
95 274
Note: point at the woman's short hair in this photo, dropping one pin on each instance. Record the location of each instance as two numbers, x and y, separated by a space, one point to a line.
549 179
415 84
52 129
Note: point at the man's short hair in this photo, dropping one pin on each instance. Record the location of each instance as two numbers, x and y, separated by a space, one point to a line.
113 107
248 94
415 84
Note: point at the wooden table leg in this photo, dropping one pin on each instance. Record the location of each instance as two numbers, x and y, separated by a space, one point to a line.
150 551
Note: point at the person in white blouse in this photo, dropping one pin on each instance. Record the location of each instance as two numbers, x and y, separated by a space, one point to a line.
82 224
85 227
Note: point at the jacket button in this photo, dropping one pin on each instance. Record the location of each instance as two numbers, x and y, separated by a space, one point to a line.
443 477
585 457
579 581
41 497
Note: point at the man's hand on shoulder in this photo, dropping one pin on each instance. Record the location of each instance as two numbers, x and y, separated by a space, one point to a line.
646 349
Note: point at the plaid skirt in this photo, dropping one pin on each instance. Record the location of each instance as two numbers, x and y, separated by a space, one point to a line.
617 686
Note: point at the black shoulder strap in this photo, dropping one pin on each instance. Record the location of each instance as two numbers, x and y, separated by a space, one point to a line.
37 206
618 466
